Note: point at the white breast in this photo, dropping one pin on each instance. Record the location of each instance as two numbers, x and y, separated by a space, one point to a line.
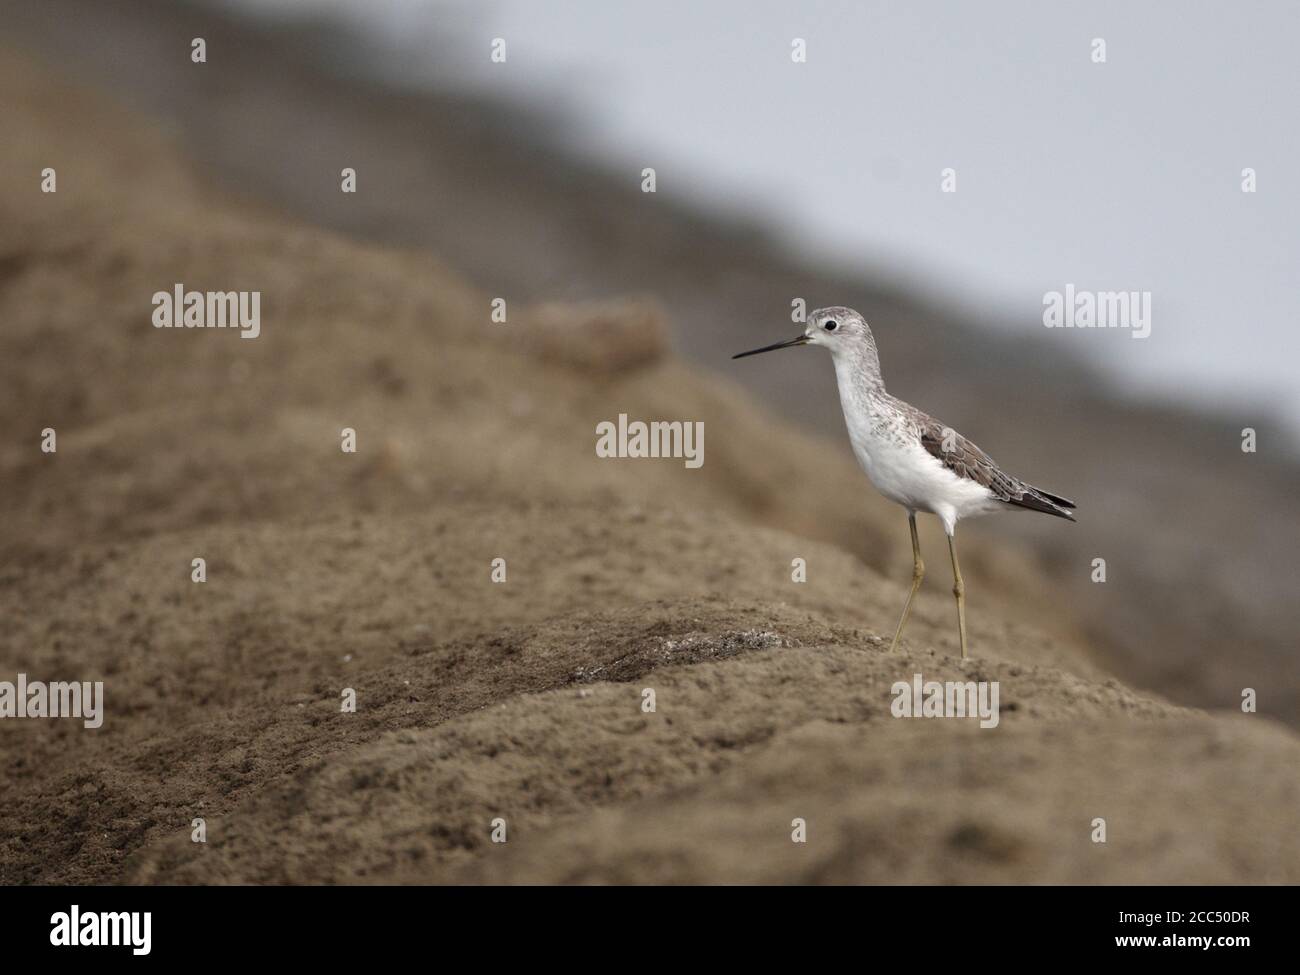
900 468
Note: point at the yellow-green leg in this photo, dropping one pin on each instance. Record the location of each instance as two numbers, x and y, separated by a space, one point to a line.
918 573
958 590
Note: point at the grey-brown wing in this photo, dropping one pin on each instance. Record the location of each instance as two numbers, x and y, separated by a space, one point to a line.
966 460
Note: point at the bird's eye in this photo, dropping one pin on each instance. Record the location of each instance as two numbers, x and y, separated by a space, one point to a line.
831 326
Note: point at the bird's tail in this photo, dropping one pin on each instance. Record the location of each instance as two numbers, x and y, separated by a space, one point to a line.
1036 499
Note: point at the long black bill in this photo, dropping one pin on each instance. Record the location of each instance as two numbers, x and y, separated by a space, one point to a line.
801 340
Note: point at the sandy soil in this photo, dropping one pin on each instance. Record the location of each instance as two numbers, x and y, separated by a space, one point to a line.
1200 539
519 700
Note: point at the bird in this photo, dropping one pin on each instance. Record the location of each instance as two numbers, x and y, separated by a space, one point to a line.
910 457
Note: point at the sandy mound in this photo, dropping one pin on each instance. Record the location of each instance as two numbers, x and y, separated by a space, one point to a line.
478 699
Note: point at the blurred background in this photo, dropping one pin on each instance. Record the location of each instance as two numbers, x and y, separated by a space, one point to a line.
1107 173
820 180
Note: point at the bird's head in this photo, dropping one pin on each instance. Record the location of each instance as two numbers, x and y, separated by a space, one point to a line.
840 330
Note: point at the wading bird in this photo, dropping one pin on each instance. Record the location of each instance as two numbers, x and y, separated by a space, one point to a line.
910 457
